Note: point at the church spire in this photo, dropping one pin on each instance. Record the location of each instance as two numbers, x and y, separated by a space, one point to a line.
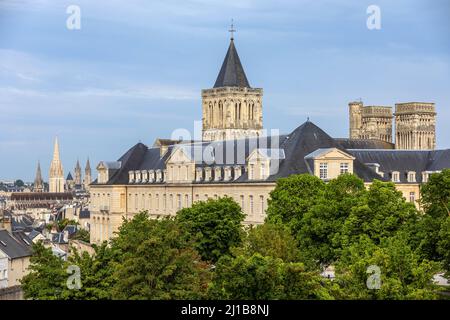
232 73
38 182
56 176
77 172
87 175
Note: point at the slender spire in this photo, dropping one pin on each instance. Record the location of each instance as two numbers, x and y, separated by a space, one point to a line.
38 182
56 150
232 73
88 165
56 174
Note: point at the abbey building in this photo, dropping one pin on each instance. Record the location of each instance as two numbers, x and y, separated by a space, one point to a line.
235 159
415 124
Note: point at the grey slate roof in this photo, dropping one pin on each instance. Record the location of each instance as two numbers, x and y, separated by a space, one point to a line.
232 73
69 177
85 214
304 140
364 143
12 247
405 160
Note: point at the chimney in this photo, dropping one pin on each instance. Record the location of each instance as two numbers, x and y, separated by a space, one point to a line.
7 224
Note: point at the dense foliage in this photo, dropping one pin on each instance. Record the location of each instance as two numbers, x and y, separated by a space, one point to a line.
379 245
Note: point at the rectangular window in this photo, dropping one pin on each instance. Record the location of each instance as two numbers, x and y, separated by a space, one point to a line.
157 201
323 170
186 200
395 177
179 201
136 201
143 201
344 167
251 173
164 201
251 204
263 171
242 202
412 197
122 200
171 201
261 199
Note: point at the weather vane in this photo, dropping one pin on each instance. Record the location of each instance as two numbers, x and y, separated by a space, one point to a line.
232 30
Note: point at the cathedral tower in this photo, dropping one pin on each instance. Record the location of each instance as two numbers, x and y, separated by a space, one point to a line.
77 174
56 176
415 126
370 122
355 119
38 185
231 109
87 175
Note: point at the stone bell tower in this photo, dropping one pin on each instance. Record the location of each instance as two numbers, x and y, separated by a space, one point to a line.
231 109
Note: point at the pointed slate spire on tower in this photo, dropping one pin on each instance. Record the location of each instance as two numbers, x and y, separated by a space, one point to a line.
232 73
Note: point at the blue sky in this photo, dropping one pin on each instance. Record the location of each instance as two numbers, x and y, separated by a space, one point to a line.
135 69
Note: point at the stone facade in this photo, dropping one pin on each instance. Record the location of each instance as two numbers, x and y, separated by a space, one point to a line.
370 122
231 113
415 124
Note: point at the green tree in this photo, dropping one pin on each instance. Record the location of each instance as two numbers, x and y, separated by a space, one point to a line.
384 213
292 198
96 274
47 277
402 274
320 234
213 225
19 183
431 235
260 277
272 240
156 262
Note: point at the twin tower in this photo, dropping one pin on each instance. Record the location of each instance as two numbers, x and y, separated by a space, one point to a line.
415 124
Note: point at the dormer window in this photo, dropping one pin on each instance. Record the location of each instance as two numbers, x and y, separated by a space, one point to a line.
144 174
411 176
227 173
158 175
137 174
151 176
198 174
208 174
217 173
251 172
425 176
395 176
262 172
237 172
131 176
